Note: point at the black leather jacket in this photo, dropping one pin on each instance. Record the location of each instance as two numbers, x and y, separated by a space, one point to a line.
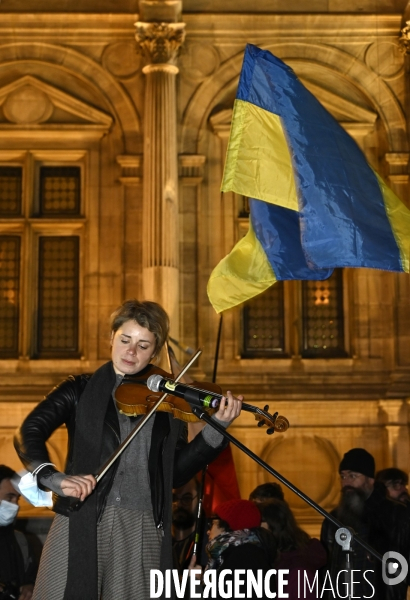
172 461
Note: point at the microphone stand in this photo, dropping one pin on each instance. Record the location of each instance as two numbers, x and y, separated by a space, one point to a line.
201 414
197 539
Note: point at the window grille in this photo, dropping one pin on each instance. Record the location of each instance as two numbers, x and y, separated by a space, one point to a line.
60 191
322 317
263 324
10 191
58 295
9 295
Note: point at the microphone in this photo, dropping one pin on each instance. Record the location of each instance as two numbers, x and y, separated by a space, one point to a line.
157 383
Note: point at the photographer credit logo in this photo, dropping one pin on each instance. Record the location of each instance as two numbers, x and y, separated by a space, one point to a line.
394 569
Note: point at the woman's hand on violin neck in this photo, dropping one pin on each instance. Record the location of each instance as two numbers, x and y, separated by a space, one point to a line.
78 486
229 407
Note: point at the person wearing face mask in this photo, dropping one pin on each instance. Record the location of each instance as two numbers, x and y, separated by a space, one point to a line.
17 565
122 530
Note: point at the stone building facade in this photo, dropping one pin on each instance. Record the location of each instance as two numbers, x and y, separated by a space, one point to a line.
114 123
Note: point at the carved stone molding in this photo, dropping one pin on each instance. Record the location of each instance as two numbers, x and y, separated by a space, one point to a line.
398 175
199 60
402 179
131 168
393 412
191 167
384 58
121 59
404 38
285 449
398 162
159 11
160 42
27 105
32 109
160 67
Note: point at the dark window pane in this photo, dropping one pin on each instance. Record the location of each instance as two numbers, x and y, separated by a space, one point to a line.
323 329
10 191
60 191
9 295
58 296
263 324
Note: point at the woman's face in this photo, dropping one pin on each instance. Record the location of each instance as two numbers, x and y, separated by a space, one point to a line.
214 530
132 347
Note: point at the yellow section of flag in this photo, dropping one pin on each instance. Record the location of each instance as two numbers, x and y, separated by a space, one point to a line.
258 163
399 218
241 275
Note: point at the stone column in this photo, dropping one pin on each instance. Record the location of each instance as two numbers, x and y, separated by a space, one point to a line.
394 416
160 42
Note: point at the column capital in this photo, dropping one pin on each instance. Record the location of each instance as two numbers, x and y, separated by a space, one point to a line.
160 42
393 412
397 159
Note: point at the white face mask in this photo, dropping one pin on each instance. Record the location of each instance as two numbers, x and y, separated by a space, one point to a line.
31 492
8 512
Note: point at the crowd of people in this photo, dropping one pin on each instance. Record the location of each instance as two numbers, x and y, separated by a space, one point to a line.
256 534
143 514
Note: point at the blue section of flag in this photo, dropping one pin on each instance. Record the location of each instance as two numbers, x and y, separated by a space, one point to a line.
277 229
343 220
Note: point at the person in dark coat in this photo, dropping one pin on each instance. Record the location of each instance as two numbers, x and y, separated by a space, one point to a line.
302 555
266 492
185 529
378 519
395 481
107 549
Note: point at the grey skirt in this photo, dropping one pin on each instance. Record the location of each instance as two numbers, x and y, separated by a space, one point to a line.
129 546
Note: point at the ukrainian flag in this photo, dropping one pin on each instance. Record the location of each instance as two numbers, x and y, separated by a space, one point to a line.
315 202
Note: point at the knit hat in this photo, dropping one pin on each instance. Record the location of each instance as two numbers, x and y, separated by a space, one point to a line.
358 460
239 514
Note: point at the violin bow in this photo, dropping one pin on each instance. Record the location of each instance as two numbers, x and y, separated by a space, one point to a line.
125 443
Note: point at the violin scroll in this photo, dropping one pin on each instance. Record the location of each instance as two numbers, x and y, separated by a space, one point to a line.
281 424
273 422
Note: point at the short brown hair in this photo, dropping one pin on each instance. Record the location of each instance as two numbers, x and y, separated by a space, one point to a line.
6 473
147 314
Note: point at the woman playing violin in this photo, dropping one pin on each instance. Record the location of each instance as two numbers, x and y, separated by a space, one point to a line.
122 530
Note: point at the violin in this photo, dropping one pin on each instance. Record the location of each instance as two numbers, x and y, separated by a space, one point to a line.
133 398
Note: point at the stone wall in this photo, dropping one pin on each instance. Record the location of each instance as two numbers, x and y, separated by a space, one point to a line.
80 88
